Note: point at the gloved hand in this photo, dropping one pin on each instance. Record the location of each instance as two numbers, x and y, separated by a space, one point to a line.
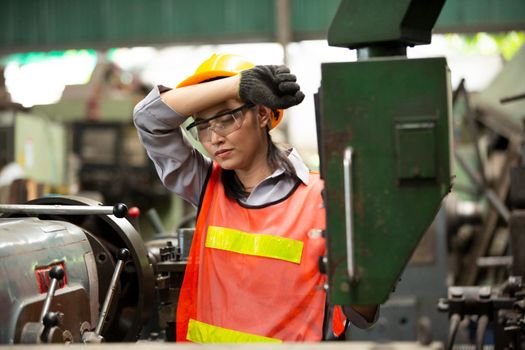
271 86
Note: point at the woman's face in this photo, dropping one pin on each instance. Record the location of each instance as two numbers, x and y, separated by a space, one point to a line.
244 147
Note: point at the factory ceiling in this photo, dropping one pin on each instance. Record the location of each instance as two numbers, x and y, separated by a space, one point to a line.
41 25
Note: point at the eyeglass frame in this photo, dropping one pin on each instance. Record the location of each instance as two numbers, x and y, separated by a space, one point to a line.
222 114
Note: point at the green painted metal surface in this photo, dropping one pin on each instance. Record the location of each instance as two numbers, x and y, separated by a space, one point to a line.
394 113
471 16
358 23
310 18
79 23
60 24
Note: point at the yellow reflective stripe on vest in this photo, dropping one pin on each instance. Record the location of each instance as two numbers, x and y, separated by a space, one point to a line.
200 332
254 244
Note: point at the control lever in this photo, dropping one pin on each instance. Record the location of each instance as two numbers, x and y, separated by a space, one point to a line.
123 256
46 330
56 274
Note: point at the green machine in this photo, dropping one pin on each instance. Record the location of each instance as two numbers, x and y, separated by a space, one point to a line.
384 140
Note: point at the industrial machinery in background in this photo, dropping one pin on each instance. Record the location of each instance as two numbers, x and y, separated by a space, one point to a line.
85 142
73 271
37 147
113 162
486 300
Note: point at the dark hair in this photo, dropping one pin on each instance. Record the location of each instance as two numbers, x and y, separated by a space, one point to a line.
277 158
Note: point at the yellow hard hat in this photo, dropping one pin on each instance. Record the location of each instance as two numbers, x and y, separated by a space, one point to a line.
221 66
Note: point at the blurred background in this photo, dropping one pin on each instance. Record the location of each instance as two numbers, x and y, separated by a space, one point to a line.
72 71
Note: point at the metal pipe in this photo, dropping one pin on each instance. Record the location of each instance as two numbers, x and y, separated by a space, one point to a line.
119 210
475 137
455 319
513 98
480 331
495 261
155 221
393 50
489 193
123 255
283 25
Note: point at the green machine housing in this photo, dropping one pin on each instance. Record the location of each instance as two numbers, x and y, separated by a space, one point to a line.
384 142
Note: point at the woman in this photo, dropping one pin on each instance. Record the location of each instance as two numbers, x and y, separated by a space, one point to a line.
252 273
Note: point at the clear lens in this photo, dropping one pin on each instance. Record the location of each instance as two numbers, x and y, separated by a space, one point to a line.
222 126
194 133
226 124
203 132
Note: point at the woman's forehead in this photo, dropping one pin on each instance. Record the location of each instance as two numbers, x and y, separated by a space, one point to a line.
218 108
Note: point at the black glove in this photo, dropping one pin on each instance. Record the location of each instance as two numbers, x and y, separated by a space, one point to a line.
271 86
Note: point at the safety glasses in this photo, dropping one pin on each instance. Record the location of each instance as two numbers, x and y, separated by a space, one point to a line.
222 124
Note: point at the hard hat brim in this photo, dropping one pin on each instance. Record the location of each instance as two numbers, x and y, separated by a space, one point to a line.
201 77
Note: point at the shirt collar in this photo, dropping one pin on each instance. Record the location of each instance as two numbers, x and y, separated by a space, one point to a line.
301 170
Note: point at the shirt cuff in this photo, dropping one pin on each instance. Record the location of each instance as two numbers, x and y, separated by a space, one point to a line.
359 320
154 106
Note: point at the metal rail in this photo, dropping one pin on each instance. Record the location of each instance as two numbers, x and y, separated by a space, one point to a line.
347 169
119 210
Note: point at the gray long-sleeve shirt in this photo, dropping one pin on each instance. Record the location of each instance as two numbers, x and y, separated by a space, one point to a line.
183 169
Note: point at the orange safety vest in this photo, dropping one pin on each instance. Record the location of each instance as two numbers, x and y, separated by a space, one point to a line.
252 273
